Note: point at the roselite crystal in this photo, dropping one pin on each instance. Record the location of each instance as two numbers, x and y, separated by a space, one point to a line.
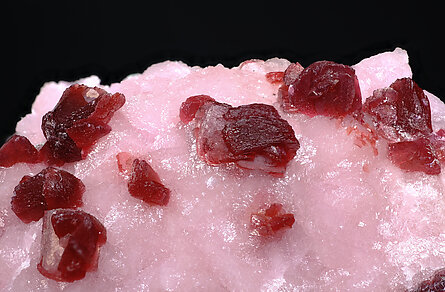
78 120
142 181
417 155
267 222
191 105
18 149
70 244
254 136
144 184
49 189
400 112
324 88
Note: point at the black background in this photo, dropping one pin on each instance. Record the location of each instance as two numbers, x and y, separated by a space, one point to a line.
67 41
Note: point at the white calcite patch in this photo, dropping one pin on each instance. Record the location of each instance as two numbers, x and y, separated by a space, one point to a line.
361 223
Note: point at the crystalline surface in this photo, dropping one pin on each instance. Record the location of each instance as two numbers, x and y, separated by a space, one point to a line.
361 222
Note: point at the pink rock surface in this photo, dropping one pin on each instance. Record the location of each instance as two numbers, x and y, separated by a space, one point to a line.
361 223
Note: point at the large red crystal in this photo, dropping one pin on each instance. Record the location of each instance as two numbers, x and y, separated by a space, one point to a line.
253 136
258 130
323 88
49 189
400 112
18 149
70 244
78 120
416 155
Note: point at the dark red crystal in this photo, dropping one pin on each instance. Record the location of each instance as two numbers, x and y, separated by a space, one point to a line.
191 106
435 284
78 120
416 155
267 222
324 88
49 189
400 112
253 136
144 184
28 202
18 149
76 253
258 129
61 189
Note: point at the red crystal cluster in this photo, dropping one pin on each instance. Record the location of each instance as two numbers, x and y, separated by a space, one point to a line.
79 119
77 122
400 113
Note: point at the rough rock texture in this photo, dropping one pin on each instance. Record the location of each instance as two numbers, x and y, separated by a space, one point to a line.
361 223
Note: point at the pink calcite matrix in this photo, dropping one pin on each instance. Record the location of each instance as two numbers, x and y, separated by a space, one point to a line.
361 223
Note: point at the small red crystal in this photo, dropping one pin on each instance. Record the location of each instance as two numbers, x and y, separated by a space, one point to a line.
18 149
417 155
78 120
400 112
275 77
253 136
267 222
49 189
324 88
191 106
77 250
144 184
